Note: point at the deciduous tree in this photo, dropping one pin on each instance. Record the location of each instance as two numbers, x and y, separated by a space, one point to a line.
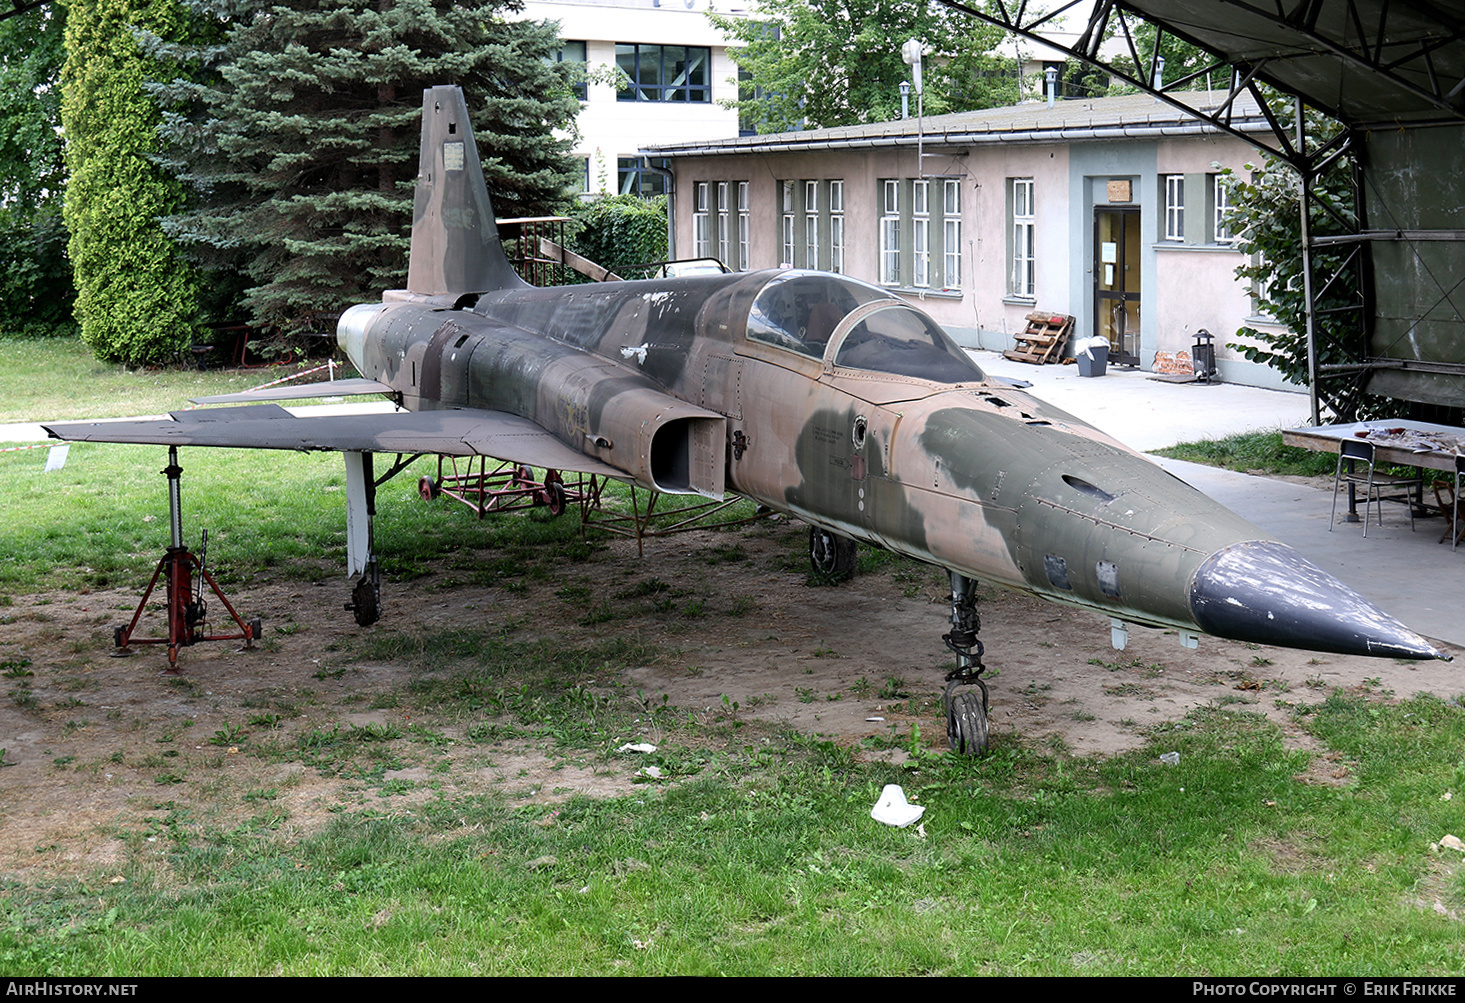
822 63
35 276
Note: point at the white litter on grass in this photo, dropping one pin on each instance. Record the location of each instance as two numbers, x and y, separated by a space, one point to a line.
874 719
637 747
894 809
1171 759
654 772
1450 843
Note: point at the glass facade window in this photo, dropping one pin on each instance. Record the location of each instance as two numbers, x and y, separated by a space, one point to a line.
574 53
665 72
634 179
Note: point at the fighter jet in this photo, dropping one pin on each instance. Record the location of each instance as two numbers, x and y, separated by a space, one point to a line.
816 395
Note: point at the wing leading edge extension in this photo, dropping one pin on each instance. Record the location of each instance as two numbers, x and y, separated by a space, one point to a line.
268 426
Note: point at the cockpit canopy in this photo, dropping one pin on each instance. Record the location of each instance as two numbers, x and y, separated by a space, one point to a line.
857 326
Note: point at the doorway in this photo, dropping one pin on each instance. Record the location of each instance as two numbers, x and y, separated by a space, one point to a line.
1117 282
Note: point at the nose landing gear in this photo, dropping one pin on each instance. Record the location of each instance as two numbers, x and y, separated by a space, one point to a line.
966 708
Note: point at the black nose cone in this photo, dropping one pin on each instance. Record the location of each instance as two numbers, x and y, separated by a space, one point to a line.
1268 593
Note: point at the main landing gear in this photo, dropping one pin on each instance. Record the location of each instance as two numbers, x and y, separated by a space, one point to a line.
833 558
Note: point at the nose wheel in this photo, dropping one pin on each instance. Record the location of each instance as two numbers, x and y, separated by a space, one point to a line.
966 719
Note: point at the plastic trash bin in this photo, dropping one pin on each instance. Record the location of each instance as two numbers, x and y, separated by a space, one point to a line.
1092 356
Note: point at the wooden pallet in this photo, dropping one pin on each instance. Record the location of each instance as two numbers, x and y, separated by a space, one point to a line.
1043 340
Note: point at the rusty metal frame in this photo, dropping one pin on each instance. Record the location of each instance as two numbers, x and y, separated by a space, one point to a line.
641 525
507 487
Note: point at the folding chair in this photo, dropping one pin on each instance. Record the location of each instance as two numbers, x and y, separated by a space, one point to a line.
1458 503
1358 455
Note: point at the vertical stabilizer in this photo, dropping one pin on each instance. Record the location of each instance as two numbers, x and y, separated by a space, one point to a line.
455 241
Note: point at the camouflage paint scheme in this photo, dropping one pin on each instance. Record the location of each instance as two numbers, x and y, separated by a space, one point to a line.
818 396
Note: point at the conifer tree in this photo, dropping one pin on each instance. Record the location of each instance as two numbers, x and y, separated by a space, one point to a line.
303 151
136 301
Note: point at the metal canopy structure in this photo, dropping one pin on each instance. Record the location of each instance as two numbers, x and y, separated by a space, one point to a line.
15 7
1392 73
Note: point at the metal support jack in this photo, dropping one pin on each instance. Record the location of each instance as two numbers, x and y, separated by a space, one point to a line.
966 708
187 609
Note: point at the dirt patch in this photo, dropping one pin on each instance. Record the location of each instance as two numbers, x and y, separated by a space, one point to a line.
104 754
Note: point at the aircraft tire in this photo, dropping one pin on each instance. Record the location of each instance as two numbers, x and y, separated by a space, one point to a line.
832 555
365 604
966 723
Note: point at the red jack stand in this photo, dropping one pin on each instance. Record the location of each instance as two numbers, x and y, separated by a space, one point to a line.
187 611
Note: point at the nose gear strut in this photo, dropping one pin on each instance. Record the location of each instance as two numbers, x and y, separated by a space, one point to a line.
966 709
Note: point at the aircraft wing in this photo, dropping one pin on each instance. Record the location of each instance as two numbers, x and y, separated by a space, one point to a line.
497 434
329 388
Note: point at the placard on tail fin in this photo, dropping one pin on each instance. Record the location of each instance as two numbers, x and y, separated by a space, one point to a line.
455 243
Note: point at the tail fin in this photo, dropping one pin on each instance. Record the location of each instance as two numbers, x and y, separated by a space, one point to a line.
455 241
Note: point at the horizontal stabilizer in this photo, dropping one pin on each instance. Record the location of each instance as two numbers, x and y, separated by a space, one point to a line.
305 391
497 434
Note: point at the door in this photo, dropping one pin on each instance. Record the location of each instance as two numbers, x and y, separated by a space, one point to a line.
1117 282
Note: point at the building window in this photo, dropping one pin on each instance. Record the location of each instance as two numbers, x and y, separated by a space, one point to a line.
1024 238
1175 207
1261 290
921 234
701 223
786 253
635 179
742 226
1221 200
665 72
836 226
890 233
574 53
811 224
951 232
724 221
